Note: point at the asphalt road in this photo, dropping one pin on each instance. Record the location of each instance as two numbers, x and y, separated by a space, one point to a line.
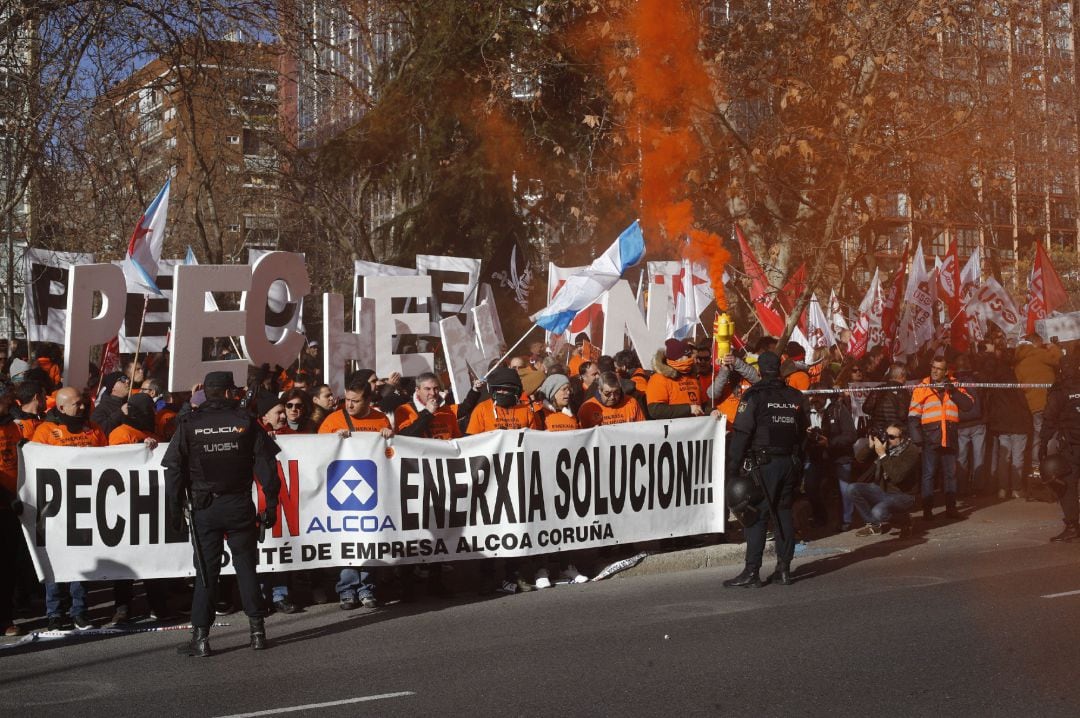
964 626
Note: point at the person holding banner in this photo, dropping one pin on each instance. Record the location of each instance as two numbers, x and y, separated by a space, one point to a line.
208 466
66 425
673 391
766 440
556 414
611 407
356 588
137 428
504 409
425 416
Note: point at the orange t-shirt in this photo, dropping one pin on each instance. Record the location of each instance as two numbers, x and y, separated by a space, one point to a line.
799 380
127 434
10 438
558 421
58 435
488 417
675 392
165 423
27 426
593 413
443 424
335 422
641 380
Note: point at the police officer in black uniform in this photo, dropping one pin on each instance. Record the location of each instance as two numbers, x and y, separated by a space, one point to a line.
1061 419
208 467
768 433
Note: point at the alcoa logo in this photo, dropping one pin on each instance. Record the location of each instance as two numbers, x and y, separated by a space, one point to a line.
352 485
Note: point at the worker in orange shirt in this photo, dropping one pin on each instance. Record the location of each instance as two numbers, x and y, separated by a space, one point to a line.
66 425
425 416
504 409
611 406
793 369
30 409
555 414
11 540
673 391
137 427
356 587
733 377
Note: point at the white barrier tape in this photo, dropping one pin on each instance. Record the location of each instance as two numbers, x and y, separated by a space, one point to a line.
962 385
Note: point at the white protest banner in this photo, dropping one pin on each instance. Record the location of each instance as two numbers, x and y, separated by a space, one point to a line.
45 292
1065 327
100 514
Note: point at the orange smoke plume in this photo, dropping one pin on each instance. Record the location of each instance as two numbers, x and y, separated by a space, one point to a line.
670 84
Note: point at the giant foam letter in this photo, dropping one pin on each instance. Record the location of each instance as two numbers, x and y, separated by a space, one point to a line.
339 345
290 269
622 317
387 324
83 329
467 349
192 322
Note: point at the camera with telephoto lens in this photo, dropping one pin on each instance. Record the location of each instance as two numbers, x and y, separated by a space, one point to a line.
880 434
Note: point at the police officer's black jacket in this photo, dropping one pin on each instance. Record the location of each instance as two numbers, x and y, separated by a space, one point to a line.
1062 413
215 450
772 417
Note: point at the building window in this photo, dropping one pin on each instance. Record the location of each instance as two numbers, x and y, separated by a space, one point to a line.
233 228
233 139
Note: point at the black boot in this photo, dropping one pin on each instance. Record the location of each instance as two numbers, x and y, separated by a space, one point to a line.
1070 533
950 506
199 645
747 579
258 634
782 574
928 508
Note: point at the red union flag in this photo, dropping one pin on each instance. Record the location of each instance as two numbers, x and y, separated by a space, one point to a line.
1045 290
761 294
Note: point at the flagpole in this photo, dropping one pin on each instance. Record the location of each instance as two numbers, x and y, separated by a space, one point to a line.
511 350
138 344
101 374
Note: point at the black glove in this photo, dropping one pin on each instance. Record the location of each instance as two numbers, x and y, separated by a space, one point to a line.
268 518
949 387
17 507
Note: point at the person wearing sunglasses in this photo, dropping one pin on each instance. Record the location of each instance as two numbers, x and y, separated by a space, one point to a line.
297 407
887 498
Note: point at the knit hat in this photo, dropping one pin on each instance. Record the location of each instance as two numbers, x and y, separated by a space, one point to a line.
504 376
552 384
675 349
265 401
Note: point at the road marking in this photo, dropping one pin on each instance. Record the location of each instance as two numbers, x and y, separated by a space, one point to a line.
328 704
1059 595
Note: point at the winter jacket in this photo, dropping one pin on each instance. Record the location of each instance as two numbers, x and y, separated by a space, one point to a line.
1037 365
976 413
934 414
887 407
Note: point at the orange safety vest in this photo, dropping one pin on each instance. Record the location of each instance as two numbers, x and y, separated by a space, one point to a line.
934 408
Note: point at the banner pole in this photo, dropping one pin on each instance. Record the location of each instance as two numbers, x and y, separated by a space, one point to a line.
138 343
511 350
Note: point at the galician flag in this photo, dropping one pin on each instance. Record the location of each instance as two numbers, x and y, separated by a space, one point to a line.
144 249
585 286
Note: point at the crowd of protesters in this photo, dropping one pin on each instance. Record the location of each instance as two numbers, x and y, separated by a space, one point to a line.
885 438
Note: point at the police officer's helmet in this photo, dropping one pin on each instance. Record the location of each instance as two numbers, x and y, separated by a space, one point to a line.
743 494
1053 470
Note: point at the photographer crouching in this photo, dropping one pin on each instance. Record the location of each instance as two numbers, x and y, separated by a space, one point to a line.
884 495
